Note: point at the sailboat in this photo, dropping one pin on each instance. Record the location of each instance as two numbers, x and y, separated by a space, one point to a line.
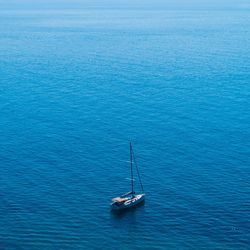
129 199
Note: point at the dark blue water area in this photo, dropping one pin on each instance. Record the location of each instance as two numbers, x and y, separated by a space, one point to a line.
76 85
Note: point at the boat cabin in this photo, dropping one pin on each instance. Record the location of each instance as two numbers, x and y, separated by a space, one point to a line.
119 199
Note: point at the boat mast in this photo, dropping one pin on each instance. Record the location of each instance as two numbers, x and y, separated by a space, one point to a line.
137 170
131 168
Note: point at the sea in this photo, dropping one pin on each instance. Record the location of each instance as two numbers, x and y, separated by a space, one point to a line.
80 80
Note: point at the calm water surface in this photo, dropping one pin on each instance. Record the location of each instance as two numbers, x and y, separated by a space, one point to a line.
77 84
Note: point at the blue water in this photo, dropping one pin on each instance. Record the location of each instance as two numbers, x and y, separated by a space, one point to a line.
77 84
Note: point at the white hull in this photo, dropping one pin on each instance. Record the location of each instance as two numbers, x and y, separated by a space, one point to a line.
133 201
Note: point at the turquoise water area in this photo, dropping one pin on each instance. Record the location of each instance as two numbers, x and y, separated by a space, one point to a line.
77 83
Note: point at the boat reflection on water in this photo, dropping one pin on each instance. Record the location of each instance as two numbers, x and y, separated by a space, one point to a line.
119 214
